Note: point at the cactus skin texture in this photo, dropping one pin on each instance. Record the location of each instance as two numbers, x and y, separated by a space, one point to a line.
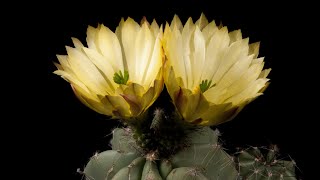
186 173
254 164
204 159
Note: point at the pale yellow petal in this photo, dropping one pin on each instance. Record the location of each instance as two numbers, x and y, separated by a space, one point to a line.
193 105
137 97
258 60
235 72
108 106
217 114
242 83
144 46
155 28
128 36
77 43
148 98
134 89
188 48
58 66
230 56
109 46
214 53
174 54
155 64
86 71
118 33
202 21
216 94
171 82
167 34
209 30
199 54
76 83
264 73
120 106
235 36
254 49
176 23
104 66
91 37
158 86
251 91
63 60
92 104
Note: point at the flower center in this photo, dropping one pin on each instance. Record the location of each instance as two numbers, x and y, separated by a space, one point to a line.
120 78
205 85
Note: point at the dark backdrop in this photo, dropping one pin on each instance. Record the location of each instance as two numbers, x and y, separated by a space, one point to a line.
280 116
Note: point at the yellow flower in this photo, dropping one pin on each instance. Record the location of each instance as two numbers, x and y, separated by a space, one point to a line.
210 73
119 74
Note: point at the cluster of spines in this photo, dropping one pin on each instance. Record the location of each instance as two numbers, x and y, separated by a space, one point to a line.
265 164
203 159
160 133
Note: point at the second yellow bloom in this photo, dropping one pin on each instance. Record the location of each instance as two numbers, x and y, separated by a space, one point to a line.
210 73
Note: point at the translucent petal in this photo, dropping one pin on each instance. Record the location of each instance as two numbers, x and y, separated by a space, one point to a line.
144 46
199 54
86 71
154 65
254 49
109 46
77 43
235 36
230 56
128 37
104 66
215 52
250 92
176 23
202 21
91 37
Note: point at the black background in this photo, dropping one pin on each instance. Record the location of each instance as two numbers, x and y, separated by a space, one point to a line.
281 116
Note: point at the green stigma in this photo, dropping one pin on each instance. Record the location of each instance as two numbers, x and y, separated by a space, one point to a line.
205 85
120 78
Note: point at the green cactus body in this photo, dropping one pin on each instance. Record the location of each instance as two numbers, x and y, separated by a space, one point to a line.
106 164
207 156
150 171
253 164
123 141
204 159
186 173
165 167
132 171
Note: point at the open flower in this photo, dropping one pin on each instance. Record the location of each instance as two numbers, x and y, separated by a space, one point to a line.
211 74
119 74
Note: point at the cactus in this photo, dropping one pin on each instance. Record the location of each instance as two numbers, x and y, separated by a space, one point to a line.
142 151
204 158
254 163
